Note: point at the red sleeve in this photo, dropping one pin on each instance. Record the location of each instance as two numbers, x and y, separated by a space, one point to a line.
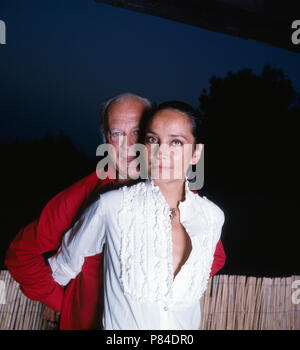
24 258
219 259
25 263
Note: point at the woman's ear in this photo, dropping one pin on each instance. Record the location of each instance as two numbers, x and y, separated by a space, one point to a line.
197 153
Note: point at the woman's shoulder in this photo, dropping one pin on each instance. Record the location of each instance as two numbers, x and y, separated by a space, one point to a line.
114 197
213 211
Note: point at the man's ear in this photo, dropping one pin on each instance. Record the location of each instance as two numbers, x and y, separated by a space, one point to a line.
197 153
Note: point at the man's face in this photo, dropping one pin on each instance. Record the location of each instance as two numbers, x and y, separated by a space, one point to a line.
123 122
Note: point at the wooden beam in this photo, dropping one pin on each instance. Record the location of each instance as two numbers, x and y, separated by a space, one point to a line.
263 21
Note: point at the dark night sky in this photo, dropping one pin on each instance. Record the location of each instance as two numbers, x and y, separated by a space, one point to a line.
63 58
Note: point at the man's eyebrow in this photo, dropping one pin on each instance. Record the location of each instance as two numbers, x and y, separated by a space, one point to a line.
135 127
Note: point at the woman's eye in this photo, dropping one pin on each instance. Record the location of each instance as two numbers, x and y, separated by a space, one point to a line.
176 143
151 139
136 132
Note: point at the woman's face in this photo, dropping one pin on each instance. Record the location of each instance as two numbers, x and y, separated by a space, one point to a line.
170 145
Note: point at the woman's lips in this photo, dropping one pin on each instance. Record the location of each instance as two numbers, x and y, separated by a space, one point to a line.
162 167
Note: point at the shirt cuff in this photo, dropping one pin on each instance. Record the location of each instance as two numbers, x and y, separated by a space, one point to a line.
60 273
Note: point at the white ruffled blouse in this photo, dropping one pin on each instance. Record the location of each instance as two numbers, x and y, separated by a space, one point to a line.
134 223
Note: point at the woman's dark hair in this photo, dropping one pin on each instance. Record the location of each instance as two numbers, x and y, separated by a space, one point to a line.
193 115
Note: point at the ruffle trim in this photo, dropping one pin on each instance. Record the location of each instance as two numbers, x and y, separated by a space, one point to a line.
162 229
146 235
131 257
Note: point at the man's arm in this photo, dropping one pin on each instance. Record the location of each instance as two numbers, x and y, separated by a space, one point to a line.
24 258
219 259
26 264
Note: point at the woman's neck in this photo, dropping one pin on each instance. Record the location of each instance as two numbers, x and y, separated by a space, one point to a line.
173 191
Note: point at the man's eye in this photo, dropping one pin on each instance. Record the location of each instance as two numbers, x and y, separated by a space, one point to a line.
176 143
116 133
136 132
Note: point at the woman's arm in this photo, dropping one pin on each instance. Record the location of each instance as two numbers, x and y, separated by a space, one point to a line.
85 238
219 255
216 218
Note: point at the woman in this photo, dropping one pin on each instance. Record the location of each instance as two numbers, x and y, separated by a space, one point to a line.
159 236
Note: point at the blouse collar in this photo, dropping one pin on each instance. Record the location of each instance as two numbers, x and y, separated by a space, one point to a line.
189 195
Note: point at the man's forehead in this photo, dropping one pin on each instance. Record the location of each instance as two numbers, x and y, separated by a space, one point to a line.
124 118
129 119
123 126
127 104
125 114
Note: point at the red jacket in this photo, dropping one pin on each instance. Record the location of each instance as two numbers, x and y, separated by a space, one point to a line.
79 307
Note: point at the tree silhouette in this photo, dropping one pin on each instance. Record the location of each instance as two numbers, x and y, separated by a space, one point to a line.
251 156
32 172
251 128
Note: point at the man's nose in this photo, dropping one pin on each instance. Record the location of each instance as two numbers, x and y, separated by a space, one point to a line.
127 141
132 140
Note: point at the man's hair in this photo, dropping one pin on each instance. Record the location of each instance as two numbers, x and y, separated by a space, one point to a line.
149 105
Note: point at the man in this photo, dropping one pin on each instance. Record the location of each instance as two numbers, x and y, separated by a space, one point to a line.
80 303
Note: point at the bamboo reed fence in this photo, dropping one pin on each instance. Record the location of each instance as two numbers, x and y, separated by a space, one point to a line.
229 303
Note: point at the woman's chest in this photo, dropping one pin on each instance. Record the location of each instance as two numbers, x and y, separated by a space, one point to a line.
181 244
150 250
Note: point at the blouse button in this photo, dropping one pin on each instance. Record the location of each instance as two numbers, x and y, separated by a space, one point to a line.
165 308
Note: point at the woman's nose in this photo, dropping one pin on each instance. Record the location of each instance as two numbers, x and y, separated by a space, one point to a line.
163 151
